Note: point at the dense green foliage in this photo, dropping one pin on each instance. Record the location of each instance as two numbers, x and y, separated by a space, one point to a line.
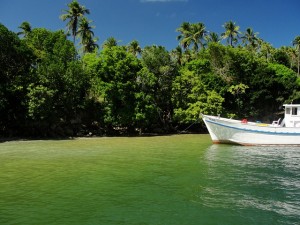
48 89
15 76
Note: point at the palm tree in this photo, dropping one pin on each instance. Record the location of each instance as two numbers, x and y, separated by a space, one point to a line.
192 34
266 49
110 42
212 37
90 45
293 56
296 43
184 29
73 14
86 35
26 29
135 48
250 38
177 55
231 33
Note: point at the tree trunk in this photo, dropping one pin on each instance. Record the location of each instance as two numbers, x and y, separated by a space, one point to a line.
298 63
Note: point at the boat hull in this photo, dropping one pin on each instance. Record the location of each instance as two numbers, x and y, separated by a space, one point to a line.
224 130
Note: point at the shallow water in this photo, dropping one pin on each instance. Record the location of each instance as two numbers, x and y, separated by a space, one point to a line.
169 180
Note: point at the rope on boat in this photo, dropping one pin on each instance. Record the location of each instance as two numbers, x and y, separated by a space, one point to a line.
189 126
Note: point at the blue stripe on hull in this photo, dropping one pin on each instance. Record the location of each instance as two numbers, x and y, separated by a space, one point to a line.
256 131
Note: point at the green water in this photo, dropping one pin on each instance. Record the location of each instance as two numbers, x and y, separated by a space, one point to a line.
171 180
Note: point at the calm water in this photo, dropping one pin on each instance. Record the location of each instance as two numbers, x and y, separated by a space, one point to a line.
173 180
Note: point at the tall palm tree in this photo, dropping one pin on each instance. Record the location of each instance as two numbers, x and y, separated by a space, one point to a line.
231 33
86 35
250 38
73 15
26 29
110 42
296 44
135 48
184 29
192 34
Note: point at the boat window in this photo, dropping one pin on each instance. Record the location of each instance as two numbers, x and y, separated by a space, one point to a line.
294 111
287 110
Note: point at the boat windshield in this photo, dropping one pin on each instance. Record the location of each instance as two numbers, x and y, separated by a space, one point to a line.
294 111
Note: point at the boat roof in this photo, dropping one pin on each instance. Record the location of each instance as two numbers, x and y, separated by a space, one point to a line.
291 105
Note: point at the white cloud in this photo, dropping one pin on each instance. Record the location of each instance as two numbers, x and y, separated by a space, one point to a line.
145 1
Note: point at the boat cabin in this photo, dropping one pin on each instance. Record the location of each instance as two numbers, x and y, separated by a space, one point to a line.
292 115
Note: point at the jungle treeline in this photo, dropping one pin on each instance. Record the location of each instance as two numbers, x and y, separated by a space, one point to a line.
57 83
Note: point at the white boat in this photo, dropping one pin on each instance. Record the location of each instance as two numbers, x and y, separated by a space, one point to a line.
243 132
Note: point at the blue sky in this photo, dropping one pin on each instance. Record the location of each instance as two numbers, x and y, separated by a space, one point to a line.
155 21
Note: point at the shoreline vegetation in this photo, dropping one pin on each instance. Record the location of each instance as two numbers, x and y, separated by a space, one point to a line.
57 84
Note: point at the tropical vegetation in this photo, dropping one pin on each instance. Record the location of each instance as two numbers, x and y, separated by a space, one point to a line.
51 86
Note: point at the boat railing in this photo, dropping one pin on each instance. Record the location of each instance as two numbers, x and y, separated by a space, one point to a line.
277 123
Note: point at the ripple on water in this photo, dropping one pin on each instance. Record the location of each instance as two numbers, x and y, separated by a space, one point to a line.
260 178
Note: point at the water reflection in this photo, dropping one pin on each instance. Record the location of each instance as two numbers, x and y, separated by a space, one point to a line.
257 178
